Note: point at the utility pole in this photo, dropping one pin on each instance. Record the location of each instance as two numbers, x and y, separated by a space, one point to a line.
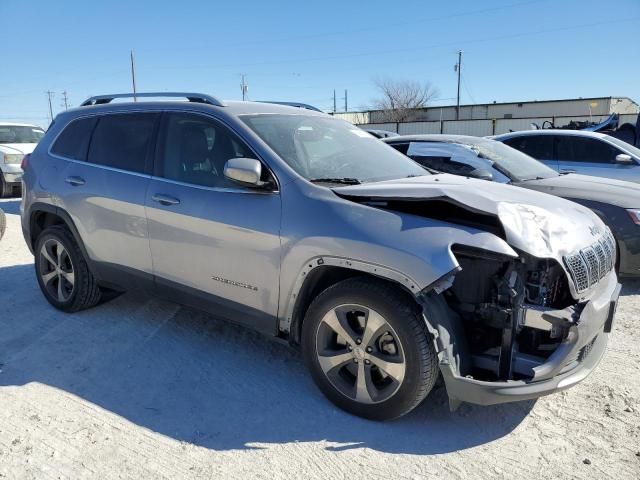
345 100
458 68
334 100
66 100
243 87
50 95
133 76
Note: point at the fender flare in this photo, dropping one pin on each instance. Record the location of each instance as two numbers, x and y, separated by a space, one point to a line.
320 261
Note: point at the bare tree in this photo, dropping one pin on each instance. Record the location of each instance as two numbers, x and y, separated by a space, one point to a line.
400 98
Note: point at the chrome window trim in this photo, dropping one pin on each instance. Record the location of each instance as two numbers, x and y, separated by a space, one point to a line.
255 191
102 167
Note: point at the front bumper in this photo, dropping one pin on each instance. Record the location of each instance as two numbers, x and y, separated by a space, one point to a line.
572 361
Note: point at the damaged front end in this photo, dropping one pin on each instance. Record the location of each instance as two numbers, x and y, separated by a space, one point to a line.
509 329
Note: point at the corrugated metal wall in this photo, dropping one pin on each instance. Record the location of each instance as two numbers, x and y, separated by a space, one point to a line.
480 128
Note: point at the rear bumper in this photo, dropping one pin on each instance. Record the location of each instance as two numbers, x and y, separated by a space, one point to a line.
572 362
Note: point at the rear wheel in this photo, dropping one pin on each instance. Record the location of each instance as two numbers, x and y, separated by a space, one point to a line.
3 223
62 271
368 349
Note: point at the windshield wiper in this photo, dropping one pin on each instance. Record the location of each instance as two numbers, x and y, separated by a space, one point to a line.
343 181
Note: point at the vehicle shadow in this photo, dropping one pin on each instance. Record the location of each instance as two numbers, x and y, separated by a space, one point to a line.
185 375
10 206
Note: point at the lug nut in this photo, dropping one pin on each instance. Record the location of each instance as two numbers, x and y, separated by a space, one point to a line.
355 360
367 362
358 341
349 347
369 349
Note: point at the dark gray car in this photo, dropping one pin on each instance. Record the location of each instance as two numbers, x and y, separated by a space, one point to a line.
616 202
310 230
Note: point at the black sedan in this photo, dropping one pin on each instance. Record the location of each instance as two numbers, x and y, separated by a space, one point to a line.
615 201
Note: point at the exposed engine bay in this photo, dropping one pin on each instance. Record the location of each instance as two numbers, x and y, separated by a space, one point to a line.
490 295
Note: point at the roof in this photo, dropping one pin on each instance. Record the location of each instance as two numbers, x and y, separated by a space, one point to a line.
551 131
434 138
230 108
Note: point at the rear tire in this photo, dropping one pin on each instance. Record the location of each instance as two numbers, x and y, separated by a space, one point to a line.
63 273
6 190
3 223
368 349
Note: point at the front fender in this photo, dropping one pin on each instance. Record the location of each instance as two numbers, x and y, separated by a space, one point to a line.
412 251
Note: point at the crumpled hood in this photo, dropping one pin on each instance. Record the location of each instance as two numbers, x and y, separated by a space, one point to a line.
539 224
585 187
22 148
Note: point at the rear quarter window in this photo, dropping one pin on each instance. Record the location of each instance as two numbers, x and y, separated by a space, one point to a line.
73 142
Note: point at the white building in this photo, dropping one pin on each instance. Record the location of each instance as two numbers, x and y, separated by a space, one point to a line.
495 118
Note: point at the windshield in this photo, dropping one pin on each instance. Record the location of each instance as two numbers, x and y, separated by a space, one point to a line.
328 148
513 163
20 134
627 146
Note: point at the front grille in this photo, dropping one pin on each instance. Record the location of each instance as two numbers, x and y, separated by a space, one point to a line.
589 265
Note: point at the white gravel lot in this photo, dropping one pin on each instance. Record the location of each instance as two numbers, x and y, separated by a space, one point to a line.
141 388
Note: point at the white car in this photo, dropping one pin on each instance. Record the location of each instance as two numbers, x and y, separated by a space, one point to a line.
16 140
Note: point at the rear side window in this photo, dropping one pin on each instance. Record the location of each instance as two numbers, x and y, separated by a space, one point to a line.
122 141
539 147
73 142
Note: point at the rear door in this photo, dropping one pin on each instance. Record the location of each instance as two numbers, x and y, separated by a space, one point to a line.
215 244
592 156
106 163
539 147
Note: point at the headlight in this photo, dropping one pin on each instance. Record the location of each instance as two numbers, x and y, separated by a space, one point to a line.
634 213
13 157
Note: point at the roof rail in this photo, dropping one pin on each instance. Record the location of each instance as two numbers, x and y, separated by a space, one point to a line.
192 97
294 104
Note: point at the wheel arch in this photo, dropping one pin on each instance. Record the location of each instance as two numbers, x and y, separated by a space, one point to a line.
44 215
320 273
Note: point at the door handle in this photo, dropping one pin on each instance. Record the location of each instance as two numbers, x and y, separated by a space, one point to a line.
75 181
165 199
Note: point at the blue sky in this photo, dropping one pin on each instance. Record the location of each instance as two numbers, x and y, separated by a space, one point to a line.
302 50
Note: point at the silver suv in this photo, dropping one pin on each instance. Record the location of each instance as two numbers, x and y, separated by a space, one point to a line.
312 231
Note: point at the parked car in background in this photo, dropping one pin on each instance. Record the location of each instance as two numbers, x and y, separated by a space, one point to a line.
616 202
306 228
579 151
16 140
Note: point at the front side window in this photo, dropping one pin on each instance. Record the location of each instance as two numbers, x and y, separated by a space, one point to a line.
73 142
572 148
195 150
122 141
320 148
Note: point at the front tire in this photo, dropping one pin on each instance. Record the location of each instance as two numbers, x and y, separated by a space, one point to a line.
62 271
368 348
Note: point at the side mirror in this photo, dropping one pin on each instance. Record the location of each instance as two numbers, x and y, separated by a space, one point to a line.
481 174
624 159
245 171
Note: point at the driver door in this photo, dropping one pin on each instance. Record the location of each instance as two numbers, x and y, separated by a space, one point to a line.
214 244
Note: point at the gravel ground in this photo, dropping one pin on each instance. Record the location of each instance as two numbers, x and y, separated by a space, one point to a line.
141 388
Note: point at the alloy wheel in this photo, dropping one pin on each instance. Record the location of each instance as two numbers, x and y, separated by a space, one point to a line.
56 270
360 353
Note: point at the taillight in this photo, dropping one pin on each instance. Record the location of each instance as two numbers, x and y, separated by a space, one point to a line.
25 161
